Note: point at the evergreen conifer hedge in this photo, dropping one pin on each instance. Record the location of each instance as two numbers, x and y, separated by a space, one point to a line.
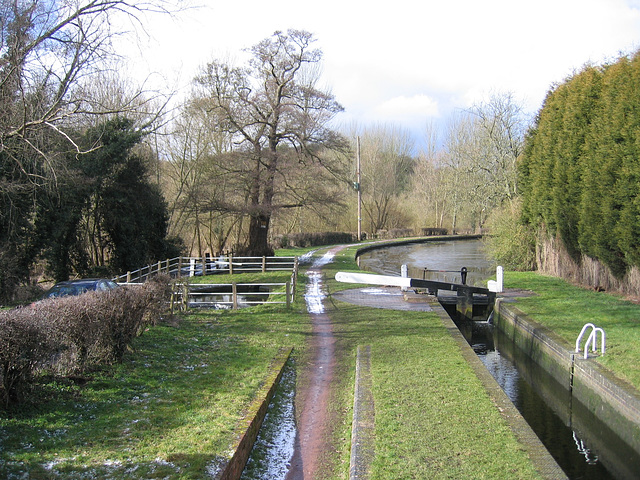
580 173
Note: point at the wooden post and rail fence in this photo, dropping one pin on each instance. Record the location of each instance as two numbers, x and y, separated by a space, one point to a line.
220 295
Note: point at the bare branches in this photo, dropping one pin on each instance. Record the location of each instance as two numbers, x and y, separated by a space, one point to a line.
47 51
275 120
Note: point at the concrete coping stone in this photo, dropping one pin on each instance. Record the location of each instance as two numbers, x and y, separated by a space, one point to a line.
363 426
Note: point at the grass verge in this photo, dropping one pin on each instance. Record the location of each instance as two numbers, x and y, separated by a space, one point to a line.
565 308
172 406
167 411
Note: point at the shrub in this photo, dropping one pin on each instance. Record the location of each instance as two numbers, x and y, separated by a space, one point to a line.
511 243
72 334
313 239
25 343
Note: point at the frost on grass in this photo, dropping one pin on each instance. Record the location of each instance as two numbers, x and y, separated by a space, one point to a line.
215 466
64 468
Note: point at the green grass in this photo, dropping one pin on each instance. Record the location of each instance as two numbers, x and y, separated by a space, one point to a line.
174 403
434 418
253 277
565 308
166 411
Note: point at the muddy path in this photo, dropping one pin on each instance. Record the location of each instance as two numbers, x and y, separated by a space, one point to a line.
312 397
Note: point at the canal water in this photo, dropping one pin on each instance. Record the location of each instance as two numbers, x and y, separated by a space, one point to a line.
583 446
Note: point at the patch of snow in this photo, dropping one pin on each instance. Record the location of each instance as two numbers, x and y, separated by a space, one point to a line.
322 261
306 258
275 443
215 466
315 293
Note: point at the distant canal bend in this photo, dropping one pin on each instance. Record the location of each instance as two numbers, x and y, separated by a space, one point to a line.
594 452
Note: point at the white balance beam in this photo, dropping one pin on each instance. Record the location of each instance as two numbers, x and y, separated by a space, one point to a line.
370 279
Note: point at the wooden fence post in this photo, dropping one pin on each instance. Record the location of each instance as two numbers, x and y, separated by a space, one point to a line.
264 264
234 292
288 294
231 263
128 277
185 296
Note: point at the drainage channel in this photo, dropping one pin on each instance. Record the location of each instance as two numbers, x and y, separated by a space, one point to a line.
274 446
584 447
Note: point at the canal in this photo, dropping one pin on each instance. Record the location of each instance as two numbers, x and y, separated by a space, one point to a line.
583 446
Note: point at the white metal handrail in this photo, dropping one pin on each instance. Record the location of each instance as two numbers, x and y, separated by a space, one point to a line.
591 339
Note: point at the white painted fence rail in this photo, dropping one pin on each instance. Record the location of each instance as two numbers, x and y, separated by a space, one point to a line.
231 295
196 266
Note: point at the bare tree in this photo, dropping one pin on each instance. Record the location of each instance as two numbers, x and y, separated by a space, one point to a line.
48 52
387 165
277 119
197 181
499 130
429 194
482 146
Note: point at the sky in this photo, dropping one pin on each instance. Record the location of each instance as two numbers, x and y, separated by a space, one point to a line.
404 63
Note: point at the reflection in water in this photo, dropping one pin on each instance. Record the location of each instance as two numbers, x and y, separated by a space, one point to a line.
547 407
443 259
583 447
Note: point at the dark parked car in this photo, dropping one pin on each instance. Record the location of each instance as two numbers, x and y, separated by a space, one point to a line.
77 287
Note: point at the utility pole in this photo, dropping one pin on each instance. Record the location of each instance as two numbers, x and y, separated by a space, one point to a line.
358 189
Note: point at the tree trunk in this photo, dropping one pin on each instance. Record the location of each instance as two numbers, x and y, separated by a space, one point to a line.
258 236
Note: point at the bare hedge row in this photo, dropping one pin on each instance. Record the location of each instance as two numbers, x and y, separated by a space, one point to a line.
70 335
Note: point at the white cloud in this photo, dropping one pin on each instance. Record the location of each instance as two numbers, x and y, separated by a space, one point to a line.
408 61
402 107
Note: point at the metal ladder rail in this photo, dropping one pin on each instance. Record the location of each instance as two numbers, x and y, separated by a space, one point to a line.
592 338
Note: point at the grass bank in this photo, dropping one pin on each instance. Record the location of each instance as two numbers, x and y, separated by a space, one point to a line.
172 405
167 411
565 308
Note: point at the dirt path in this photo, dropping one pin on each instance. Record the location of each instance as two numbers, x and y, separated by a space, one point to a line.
312 400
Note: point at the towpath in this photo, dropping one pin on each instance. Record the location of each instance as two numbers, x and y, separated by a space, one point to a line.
312 399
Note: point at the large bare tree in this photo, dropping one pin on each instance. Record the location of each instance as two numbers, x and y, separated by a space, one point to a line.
278 122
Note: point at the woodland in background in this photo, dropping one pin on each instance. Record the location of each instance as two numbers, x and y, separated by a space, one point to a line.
95 178
75 195
467 170
580 177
